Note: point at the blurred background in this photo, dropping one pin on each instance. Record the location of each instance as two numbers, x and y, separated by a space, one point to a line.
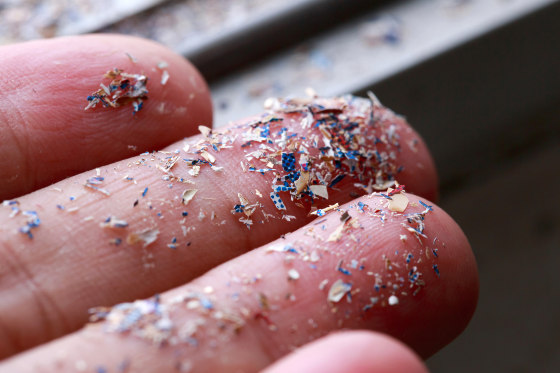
479 79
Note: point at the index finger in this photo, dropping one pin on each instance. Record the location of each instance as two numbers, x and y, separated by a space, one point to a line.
47 135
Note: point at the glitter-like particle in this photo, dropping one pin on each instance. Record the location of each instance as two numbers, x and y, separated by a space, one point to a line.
124 88
293 274
112 222
147 236
188 195
338 290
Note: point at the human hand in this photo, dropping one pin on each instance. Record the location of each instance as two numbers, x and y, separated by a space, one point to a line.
137 227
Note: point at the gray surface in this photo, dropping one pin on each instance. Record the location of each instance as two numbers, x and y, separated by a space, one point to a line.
511 219
343 60
468 78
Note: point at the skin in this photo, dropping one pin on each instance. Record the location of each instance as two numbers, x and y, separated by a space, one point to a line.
42 121
362 351
47 284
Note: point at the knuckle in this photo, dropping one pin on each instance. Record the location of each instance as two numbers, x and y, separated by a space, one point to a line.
29 315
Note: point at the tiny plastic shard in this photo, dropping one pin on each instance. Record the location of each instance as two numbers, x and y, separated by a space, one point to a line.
194 171
321 212
188 195
393 300
301 182
131 57
124 88
164 77
205 131
209 157
147 236
277 201
398 202
338 290
336 234
320 190
112 222
293 274
314 257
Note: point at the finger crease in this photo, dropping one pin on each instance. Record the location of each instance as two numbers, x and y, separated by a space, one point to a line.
47 308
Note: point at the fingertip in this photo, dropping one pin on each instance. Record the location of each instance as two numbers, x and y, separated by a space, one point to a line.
351 351
46 84
454 285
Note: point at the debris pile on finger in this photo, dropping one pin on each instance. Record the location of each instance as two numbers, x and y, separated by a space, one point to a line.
123 89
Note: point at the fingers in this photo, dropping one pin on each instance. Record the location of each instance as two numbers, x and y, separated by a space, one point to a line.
156 221
410 275
47 135
356 352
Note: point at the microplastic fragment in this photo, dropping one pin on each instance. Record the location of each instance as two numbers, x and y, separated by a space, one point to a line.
293 274
115 241
204 130
147 319
321 212
277 201
147 236
33 221
314 257
194 171
320 190
336 234
338 290
131 57
398 203
188 195
301 183
124 88
288 162
92 183
112 222
393 300
209 157
164 77
428 207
